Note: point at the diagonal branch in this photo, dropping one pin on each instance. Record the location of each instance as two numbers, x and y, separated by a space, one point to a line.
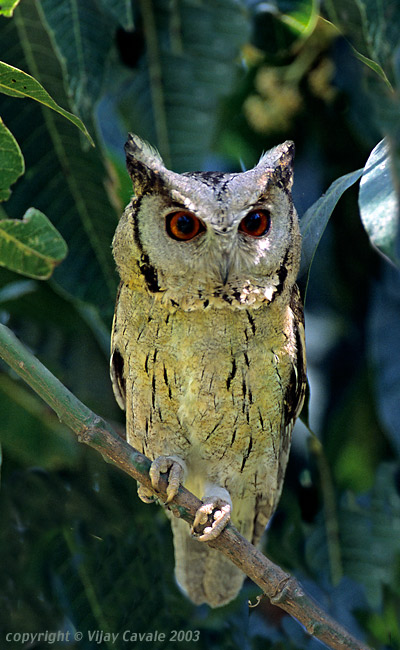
282 589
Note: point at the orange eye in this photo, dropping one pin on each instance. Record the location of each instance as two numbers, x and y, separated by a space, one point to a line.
256 223
183 225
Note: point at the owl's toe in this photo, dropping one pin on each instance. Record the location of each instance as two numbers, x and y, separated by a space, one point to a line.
146 495
211 519
176 471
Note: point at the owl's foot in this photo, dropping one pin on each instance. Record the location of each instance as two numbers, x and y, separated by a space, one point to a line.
176 471
211 518
146 495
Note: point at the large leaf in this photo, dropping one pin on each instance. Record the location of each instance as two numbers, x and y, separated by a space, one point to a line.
66 180
68 337
16 83
300 15
71 27
378 202
369 531
372 28
11 161
7 7
384 332
315 219
278 25
370 63
31 246
189 64
122 10
42 440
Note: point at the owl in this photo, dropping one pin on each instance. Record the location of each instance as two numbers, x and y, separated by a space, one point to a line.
208 355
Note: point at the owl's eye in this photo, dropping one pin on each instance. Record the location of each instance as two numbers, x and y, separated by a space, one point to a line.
256 223
183 225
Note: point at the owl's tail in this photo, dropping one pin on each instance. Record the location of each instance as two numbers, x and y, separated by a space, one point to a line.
204 573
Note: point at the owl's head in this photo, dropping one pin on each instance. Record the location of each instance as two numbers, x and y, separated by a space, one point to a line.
208 238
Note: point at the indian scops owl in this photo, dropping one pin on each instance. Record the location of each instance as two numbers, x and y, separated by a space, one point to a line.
208 353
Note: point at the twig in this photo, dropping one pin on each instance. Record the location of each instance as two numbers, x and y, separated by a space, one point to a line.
282 589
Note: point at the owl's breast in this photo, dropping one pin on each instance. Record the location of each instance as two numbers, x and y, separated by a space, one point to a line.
206 385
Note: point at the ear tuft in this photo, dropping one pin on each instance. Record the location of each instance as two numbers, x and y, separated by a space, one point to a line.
279 162
140 150
144 163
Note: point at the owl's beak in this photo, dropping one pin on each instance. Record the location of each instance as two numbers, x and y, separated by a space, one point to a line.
225 268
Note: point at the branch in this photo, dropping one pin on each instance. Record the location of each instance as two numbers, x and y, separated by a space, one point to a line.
282 589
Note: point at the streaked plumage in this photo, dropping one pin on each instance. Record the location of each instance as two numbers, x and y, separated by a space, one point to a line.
208 353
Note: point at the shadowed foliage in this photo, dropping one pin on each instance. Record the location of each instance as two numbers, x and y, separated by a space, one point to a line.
212 85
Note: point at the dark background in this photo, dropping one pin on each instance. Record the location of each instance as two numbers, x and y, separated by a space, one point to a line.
212 85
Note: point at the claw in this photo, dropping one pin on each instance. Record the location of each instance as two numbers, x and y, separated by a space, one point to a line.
145 495
162 465
216 513
174 480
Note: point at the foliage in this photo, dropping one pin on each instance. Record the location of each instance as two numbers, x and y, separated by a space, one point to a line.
208 83
31 246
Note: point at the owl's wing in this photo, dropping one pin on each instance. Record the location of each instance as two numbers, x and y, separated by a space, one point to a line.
117 362
295 392
293 403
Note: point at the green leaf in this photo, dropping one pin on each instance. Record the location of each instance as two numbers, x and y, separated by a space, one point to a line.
278 25
370 63
315 219
121 10
373 65
299 15
378 202
372 28
71 26
31 246
369 530
42 440
384 336
16 83
66 179
189 64
11 161
7 7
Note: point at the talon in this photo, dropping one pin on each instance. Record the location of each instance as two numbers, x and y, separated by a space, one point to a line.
174 480
145 495
175 469
216 513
